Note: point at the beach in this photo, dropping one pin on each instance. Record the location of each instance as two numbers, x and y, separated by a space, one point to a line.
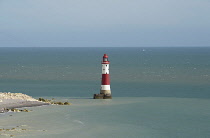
17 100
152 117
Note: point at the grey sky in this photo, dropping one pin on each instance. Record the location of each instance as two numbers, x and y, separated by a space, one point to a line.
111 23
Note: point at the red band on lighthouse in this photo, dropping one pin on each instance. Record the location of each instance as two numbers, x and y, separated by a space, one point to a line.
105 79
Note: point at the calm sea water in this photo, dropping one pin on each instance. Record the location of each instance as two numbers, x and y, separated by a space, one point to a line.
157 92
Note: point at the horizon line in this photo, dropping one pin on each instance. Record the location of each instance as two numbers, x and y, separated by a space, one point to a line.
106 47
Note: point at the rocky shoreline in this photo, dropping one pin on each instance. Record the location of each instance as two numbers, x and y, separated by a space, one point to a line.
17 100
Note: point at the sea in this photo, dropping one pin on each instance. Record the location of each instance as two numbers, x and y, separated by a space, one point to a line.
158 92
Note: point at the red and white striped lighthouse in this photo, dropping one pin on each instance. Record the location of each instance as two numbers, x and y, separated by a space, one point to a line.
105 92
105 80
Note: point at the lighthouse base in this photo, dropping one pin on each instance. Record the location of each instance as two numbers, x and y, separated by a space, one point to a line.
102 96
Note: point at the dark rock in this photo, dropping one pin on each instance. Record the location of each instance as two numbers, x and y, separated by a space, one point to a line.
102 96
67 103
98 96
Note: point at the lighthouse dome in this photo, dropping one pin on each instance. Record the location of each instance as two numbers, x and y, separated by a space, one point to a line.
105 56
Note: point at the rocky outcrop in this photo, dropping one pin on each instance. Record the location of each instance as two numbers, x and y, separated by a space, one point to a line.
53 102
102 96
16 110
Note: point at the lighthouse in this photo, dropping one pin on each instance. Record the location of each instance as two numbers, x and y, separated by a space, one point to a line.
105 91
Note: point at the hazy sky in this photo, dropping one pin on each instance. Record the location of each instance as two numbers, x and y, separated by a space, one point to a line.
107 23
